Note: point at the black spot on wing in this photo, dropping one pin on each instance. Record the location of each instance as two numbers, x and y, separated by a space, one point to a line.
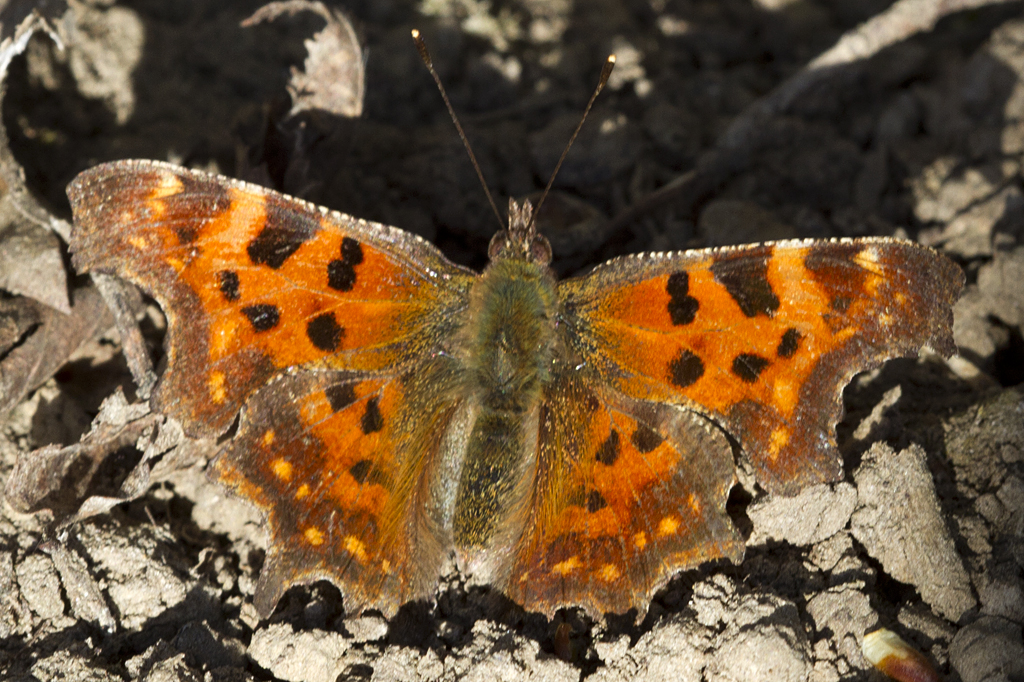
187 231
286 228
595 501
686 369
682 307
790 343
324 332
340 396
746 280
341 272
262 316
609 450
645 439
748 366
361 470
229 285
372 420
833 266
199 197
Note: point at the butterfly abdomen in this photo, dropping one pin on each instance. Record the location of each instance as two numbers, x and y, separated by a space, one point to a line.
507 345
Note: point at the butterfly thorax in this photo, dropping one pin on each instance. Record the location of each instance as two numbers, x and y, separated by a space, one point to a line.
507 346
509 336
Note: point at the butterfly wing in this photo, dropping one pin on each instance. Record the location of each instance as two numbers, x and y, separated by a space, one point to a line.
339 461
628 492
329 331
253 282
762 339
633 477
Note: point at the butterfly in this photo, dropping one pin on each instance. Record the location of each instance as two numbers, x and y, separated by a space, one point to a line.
564 440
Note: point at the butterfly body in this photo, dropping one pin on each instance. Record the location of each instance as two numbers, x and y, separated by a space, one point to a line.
508 343
563 440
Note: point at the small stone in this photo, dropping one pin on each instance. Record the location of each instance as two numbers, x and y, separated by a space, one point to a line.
815 514
900 523
40 586
887 652
306 656
988 649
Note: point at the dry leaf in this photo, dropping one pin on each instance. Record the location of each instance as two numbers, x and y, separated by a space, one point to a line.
78 481
333 79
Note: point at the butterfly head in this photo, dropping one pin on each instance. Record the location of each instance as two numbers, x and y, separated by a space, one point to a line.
520 240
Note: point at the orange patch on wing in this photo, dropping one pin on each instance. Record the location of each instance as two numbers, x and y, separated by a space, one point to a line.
168 185
355 547
282 468
568 566
299 291
216 385
313 536
223 335
609 573
668 526
139 242
635 322
779 439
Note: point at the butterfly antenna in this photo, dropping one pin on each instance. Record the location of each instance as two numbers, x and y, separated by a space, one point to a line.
606 72
425 56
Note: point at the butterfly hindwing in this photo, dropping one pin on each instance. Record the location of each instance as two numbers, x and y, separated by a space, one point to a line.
338 462
253 282
627 493
762 338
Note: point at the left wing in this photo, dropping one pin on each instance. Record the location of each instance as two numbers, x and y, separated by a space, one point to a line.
337 461
253 282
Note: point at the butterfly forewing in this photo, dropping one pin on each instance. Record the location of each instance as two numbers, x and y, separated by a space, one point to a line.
254 282
762 338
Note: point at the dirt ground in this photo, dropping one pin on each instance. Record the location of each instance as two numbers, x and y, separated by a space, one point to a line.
924 139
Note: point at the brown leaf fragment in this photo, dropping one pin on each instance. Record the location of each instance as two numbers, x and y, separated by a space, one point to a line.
124 303
20 18
334 75
105 468
169 451
59 478
50 343
30 259
30 252
17 317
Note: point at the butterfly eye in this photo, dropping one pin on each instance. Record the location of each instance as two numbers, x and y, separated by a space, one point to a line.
540 250
499 243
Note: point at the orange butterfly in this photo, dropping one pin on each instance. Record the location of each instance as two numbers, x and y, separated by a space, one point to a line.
564 439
